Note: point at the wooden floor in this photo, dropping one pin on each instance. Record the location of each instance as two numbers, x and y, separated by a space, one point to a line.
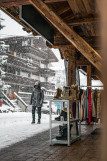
37 148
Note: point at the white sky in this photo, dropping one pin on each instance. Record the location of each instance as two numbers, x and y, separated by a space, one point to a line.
12 28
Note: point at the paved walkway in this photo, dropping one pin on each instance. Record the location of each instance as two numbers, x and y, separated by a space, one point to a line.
37 148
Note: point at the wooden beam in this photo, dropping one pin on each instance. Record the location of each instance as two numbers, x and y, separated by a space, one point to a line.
87 6
97 74
10 3
71 67
83 11
88 75
62 10
74 7
82 62
59 39
84 21
99 77
52 1
69 33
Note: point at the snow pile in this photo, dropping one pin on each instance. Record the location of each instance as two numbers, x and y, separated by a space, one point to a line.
15 127
6 108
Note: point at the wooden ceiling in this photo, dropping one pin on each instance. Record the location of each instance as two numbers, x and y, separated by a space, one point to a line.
76 23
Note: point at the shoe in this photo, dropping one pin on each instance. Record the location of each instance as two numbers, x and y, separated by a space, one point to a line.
57 118
38 121
64 114
33 122
63 132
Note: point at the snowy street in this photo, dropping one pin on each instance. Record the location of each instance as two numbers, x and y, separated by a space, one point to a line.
15 127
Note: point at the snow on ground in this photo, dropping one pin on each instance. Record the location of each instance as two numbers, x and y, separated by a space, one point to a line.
6 108
15 127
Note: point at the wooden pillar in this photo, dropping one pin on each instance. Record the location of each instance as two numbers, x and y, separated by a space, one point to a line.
71 67
103 9
88 75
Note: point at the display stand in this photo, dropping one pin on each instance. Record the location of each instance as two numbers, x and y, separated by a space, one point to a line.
70 138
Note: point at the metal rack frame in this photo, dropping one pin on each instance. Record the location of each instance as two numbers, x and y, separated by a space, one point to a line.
68 122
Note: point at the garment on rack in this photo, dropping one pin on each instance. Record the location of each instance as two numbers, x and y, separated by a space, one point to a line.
93 105
80 94
74 109
89 104
99 105
95 96
84 106
81 108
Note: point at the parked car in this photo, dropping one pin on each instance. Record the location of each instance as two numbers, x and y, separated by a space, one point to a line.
45 107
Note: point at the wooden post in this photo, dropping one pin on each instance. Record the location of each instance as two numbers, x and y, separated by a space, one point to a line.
71 67
89 75
103 9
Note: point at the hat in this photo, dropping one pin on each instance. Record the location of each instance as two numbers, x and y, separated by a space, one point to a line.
37 84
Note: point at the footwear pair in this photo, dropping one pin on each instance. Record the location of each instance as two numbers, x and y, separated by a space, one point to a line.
33 122
64 114
63 132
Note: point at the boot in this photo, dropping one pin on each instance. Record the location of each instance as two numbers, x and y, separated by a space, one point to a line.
58 93
63 132
57 118
73 92
66 92
64 114
33 122
38 121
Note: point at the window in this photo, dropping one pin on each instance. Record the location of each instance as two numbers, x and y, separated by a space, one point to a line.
24 43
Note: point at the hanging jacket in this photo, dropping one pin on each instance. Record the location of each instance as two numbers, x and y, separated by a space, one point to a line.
89 107
84 106
99 105
87 111
93 105
95 97
81 106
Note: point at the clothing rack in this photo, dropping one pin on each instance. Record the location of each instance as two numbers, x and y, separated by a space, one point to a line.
90 86
91 123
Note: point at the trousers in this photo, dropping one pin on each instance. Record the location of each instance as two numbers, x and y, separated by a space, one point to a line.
58 111
38 111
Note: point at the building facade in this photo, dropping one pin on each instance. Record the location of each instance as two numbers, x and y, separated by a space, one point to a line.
28 61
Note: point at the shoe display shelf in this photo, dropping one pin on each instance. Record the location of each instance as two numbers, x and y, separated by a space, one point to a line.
70 138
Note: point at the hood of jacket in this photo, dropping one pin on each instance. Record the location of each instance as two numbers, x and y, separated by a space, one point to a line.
37 83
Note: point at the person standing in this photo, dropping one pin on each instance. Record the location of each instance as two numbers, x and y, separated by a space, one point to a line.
58 108
36 101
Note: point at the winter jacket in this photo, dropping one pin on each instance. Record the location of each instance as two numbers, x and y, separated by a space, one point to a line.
37 97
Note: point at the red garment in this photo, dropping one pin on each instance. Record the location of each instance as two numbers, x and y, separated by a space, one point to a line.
89 106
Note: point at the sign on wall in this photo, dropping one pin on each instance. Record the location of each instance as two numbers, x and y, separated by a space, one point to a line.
37 22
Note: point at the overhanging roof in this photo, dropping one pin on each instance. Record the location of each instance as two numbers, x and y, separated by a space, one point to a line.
75 23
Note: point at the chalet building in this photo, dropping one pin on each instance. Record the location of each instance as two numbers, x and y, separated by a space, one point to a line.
28 61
